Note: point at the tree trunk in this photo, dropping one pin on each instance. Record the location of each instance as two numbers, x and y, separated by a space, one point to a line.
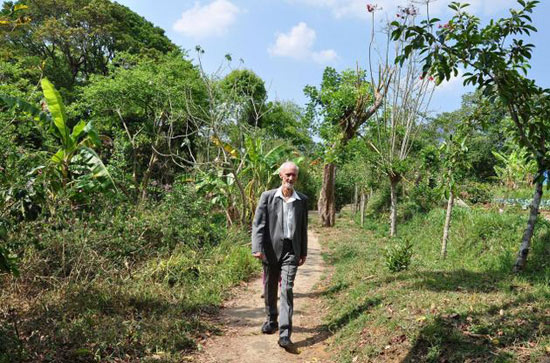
327 209
447 226
362 207
530 229
355 199
393 210
147 176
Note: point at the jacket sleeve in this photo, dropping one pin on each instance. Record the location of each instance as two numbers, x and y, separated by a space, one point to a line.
259 225
304 230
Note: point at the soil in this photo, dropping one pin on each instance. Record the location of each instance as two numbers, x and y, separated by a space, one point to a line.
241 319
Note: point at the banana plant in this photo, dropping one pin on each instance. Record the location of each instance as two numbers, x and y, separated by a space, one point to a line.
261 167
76 144
249 172
516 169
75 161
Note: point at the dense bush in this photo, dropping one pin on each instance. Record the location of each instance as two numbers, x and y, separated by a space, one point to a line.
379 202
424 196
116 235
474 192
119 280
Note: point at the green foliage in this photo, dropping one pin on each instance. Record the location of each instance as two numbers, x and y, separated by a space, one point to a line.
379 201
496 67
332 104
344 186
76 146
515 169
423 197
285 120
453 154
245 92
12 16
59 36
8 261
309 181
475 192
398 256
146 105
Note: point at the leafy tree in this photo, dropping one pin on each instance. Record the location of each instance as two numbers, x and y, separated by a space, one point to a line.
342 104
488 131
497 60
285 120
245 92
74 165
151 107
11 17
77 38
453 158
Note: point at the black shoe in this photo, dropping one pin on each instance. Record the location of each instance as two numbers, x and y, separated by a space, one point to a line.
269 328
284 342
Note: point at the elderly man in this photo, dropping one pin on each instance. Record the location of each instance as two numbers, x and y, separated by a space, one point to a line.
279 239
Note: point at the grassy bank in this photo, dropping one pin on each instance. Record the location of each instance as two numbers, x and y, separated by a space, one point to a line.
125 284
469 307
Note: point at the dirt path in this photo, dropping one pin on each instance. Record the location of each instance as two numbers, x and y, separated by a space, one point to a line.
242 317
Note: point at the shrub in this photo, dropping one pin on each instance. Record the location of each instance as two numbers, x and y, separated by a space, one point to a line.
379 202
424 197
474 192
398 257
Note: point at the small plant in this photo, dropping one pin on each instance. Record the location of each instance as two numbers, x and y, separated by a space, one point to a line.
398 257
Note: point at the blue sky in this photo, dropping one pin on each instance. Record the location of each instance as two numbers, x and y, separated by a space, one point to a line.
289 42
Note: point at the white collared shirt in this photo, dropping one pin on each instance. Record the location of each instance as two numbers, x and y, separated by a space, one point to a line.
288 212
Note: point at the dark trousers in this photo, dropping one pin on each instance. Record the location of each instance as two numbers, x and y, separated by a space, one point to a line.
286 268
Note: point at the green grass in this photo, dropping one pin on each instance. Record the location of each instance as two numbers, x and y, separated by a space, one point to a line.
124 286
467 307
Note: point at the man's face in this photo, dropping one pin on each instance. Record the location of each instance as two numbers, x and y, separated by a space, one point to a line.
288 175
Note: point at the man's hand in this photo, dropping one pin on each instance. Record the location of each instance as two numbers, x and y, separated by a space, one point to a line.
258 255
302 260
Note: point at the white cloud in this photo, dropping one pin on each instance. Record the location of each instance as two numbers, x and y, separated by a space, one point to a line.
209 20
324 56
453 85
298 44
357 8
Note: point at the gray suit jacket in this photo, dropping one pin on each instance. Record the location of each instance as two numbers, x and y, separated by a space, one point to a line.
267 227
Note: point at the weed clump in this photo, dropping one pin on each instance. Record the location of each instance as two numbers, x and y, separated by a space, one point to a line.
398 257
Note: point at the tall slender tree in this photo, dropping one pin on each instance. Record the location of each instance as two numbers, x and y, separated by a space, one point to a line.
496 57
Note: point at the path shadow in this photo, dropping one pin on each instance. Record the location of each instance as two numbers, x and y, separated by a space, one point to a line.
312 294
325 331
457 280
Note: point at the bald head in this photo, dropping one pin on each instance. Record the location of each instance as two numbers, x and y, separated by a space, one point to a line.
288 173
289 164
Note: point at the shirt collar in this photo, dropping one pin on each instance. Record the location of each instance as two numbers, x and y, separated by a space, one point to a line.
293 197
